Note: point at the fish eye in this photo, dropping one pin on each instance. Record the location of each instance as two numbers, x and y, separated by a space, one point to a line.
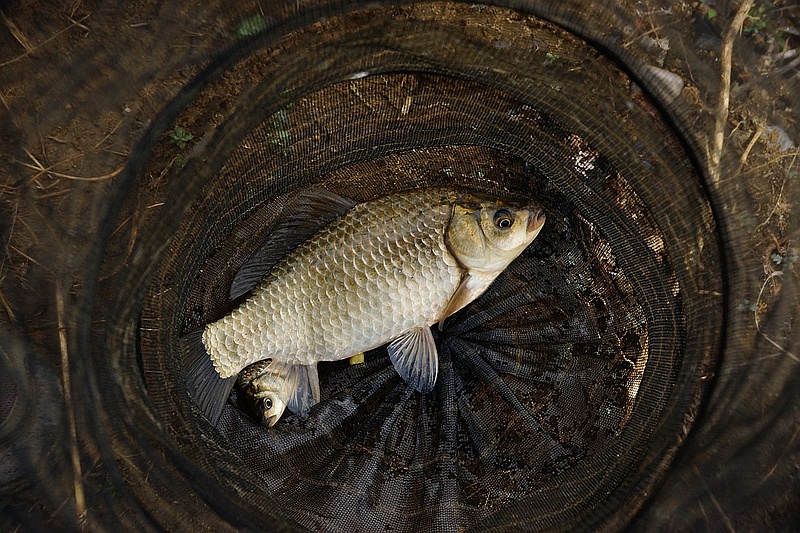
267 404
503 218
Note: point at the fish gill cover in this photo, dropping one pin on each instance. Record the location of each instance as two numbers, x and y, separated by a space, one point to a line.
634 367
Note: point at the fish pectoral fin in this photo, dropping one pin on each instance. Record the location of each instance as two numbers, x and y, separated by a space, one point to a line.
203 383
415 358
472 285
303 394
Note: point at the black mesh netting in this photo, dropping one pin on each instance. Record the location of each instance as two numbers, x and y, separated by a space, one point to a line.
567 394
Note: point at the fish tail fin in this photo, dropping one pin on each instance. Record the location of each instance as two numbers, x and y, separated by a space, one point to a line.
204 384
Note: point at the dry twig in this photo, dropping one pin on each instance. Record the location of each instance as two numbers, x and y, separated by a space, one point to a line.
781 348
41 169
29 52
770 277
721 115
753 140
17 33
80 502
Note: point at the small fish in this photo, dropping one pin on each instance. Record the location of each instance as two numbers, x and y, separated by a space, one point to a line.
271 386
382 272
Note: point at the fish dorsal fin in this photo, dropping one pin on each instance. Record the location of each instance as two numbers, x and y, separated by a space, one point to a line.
305 214
203 383
415 358
304 393
472 285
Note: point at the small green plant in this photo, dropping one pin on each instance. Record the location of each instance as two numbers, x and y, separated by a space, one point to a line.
786 260
179 162
706 9
755 22
746 306
279 138
251 26
180 136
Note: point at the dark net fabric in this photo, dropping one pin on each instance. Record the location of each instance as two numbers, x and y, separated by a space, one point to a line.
553 383
7 398
564 392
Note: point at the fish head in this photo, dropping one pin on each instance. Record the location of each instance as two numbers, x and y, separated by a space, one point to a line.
270 407
487 234
267 390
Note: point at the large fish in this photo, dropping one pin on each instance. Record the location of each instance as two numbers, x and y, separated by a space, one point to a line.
383 272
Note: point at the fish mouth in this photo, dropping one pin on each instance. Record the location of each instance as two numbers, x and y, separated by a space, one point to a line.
536 219
270 421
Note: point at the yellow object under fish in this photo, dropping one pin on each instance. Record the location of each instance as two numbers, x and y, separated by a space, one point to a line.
357 359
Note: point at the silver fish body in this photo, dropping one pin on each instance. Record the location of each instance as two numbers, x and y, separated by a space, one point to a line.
380 270
383 272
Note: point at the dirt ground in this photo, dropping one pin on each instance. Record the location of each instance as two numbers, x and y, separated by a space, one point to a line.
81 80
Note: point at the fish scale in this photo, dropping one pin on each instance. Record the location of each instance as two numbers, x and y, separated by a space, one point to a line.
379 270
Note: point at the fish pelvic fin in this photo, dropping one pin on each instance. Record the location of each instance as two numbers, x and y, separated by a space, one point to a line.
301 384
203 383
415 358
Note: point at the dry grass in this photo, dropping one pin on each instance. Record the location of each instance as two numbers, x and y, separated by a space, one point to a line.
32 49
42 170
17 34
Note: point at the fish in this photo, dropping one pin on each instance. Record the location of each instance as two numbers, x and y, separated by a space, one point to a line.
272 385
382 273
